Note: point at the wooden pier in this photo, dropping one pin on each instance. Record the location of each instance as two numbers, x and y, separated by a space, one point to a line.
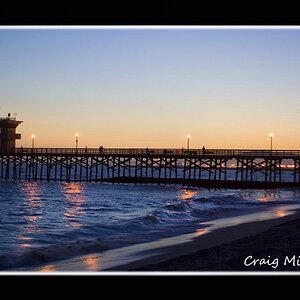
234 168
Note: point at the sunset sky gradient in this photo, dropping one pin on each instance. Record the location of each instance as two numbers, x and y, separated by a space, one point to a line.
150 88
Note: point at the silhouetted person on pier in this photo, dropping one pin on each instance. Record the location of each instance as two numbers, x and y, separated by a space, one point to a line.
85 149
203 150
100 149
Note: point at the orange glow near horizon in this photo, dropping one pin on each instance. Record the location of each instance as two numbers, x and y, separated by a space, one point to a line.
128 136
94 133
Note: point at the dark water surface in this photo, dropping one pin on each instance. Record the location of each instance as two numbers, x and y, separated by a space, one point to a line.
48 221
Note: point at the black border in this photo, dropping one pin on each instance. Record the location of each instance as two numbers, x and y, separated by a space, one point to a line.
59 13
146 13
107 287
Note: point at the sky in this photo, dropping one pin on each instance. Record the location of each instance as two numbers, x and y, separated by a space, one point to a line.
152 87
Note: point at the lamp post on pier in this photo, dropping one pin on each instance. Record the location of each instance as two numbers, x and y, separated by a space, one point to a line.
76 140
32 141
271 140
188 142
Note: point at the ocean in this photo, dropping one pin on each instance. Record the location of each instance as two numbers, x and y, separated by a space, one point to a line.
42 222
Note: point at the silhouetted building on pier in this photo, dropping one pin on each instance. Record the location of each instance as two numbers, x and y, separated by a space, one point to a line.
8 135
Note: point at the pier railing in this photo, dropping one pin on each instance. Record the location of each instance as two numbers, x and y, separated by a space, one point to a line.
161 151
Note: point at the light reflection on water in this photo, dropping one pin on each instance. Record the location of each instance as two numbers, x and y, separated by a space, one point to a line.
281 213
33 204
186 194
201 231
267 196
253 217
47 268
92 262
32 194
75 198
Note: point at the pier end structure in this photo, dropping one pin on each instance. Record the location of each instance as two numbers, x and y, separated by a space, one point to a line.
8 135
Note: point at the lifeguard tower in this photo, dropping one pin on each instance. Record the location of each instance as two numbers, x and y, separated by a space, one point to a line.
8 135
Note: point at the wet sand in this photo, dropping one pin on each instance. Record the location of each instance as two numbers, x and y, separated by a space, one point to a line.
278 249
226 243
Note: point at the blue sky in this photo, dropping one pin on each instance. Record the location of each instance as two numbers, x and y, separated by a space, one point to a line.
139 88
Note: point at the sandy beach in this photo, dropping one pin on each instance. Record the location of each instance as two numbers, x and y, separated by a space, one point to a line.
276 249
